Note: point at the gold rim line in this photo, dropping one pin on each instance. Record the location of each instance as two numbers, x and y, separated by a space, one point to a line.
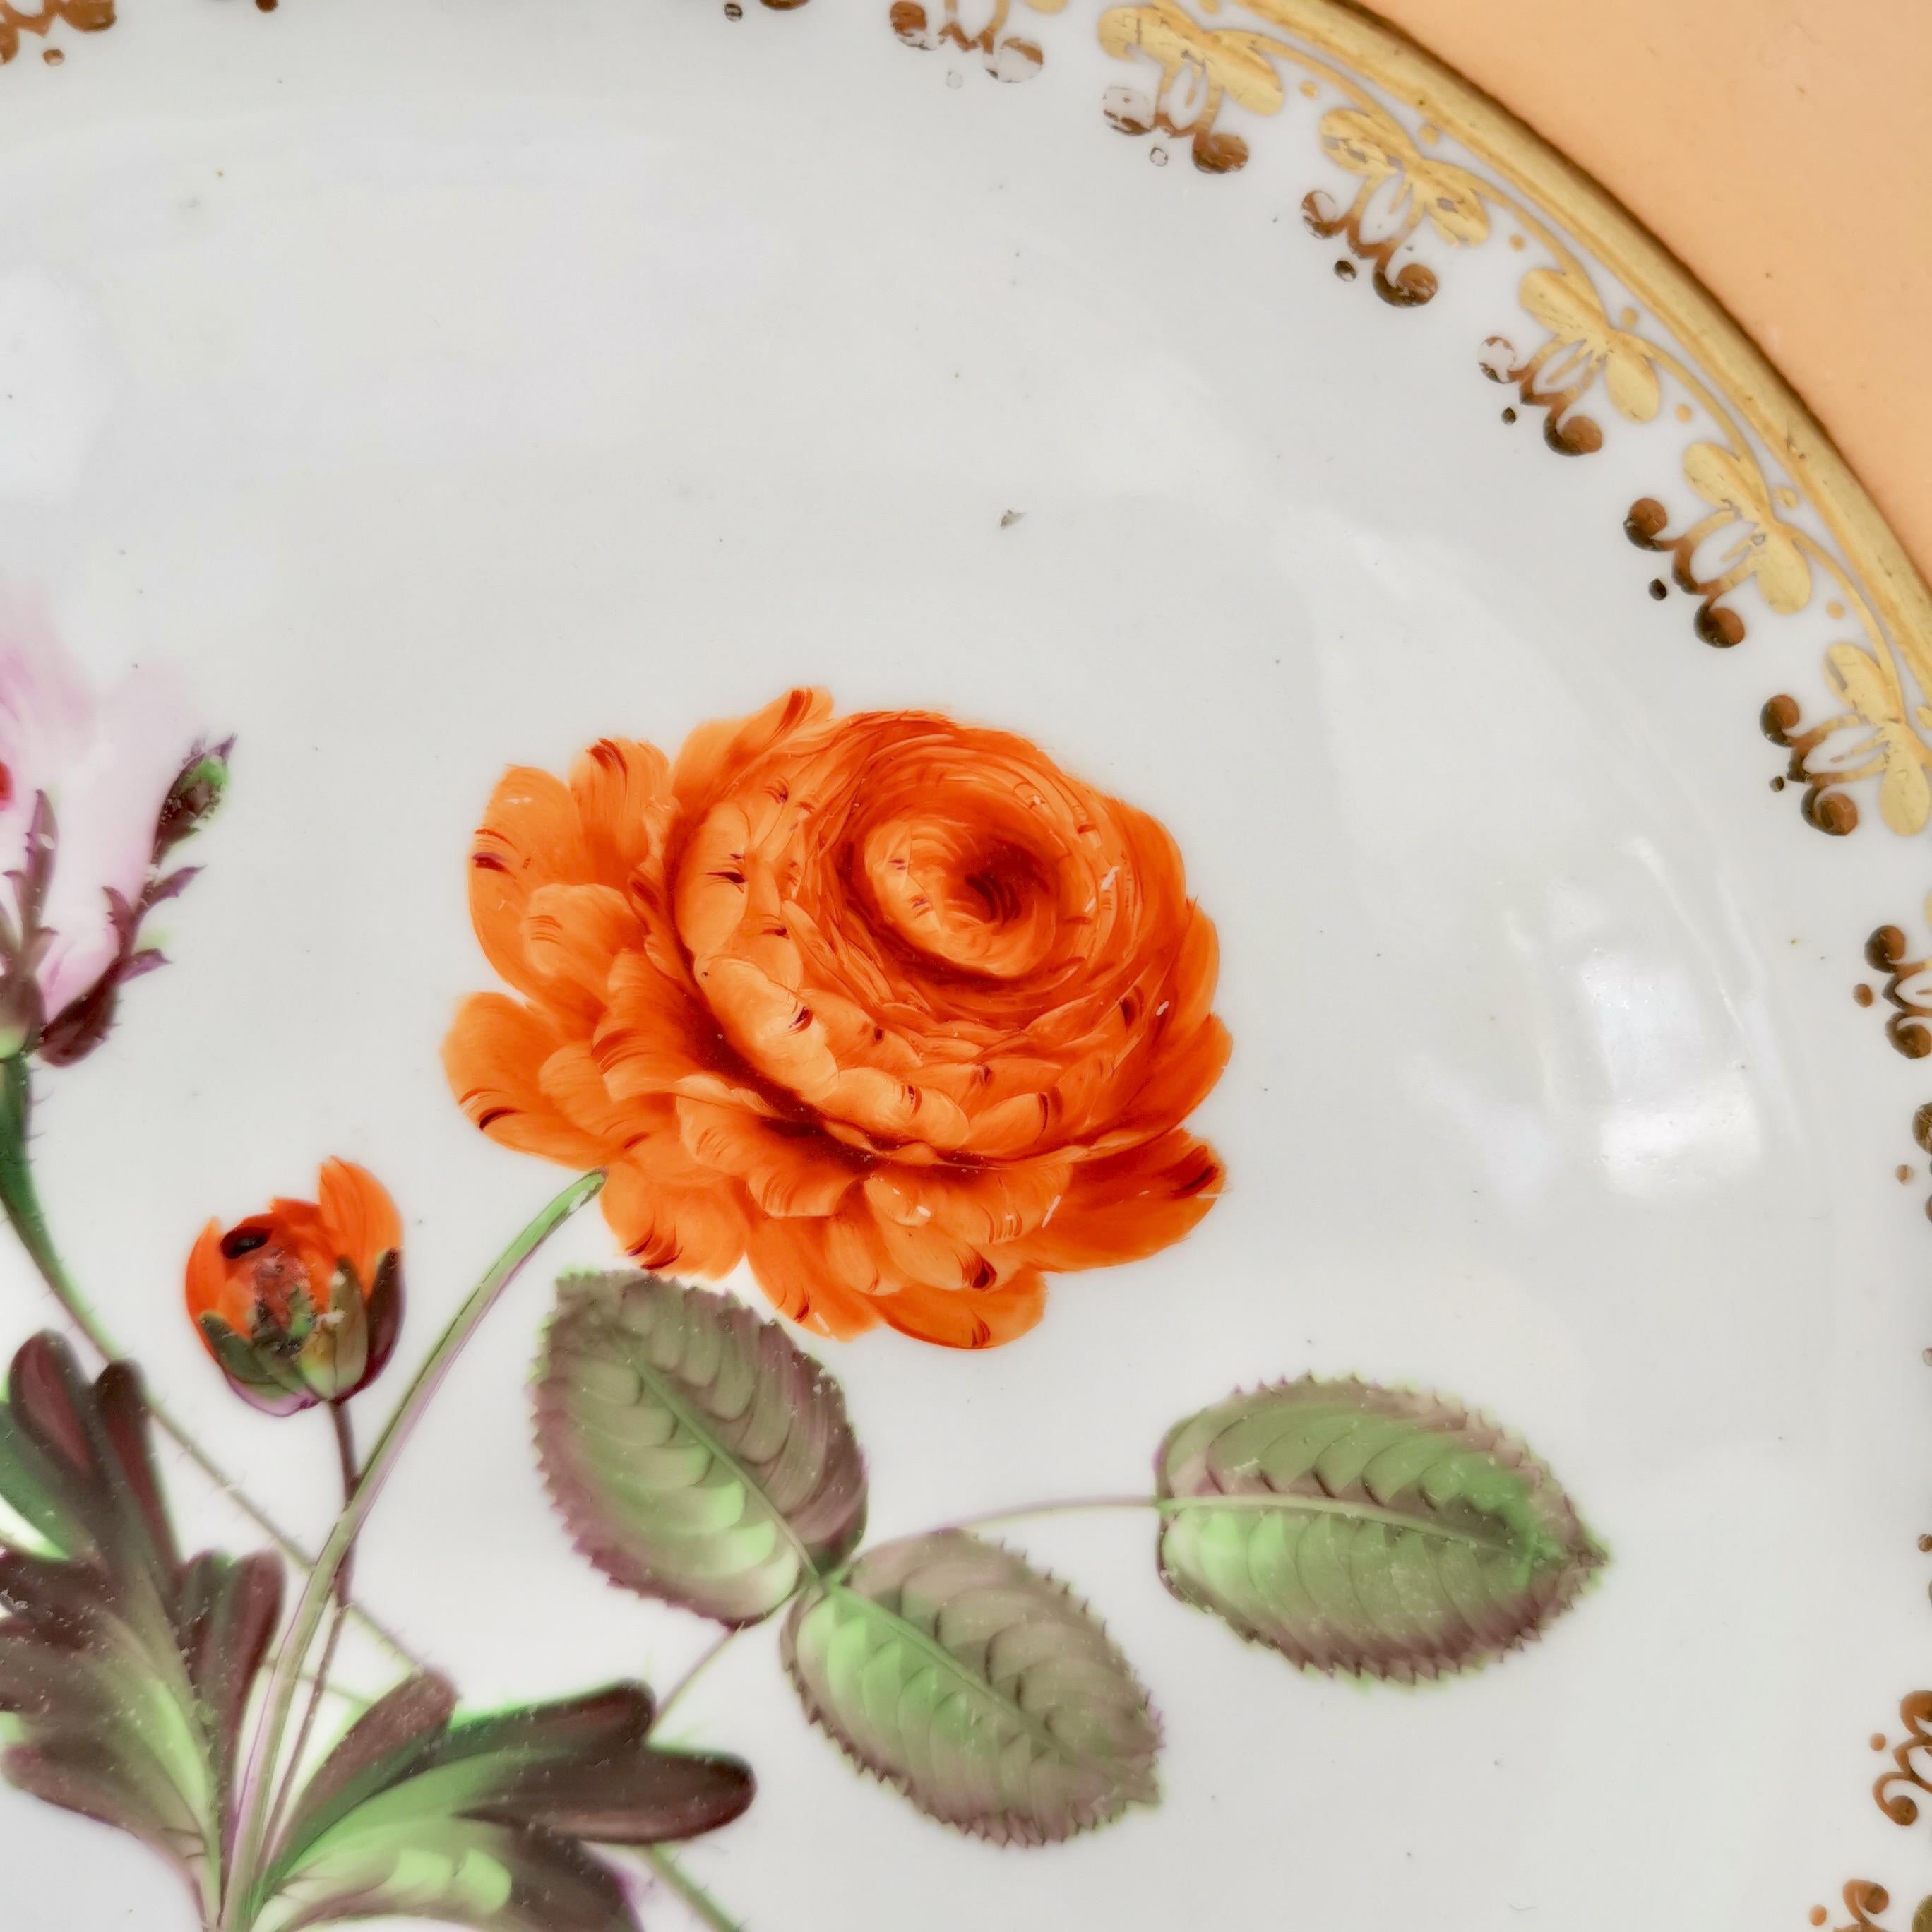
1654 274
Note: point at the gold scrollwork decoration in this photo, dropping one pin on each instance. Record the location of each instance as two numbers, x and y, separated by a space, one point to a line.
1008 57
1908 991
1401 187
1201 69
1892 1791
1876 734
1864 1901
84 16
1582 345
1761 545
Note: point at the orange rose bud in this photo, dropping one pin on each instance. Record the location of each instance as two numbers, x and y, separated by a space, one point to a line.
302 1304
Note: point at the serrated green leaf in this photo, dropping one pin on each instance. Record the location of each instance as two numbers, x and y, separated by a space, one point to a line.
1366 1530
697 1455
977 1686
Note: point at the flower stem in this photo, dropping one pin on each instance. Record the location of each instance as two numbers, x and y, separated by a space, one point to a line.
682 1687
312 1604
345 1454
707 1908
21 1201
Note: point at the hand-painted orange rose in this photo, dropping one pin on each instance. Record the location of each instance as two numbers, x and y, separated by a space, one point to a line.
302 1304
891 1005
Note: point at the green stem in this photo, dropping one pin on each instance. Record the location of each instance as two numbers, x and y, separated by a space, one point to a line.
682 1687
1292 1505
345 1456
314 1603
21 1200
688 1888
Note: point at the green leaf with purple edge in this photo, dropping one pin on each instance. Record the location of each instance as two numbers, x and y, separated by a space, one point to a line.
124 1670
696 1454
486 1821
1371 1531
977 1686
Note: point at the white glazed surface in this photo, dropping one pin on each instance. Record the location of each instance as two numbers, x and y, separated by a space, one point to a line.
440 387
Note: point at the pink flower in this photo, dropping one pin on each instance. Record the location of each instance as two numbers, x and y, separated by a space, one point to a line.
94 790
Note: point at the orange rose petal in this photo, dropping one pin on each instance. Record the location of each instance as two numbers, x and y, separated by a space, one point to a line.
714 754
666 1224
929 1255
1083 1096
728 1092
787 1171
900 1153
299 1225
854 1037
946 1052
1129 1205
772 1028
572 935
493 1058
358 1216
766 942
1010 1127
1193 974
571 1080
1160 874
1177 1083
712 890
654 1032
840 967
896 1109
821 1274
985 1207
208 1289
529 838
959 1318
622 792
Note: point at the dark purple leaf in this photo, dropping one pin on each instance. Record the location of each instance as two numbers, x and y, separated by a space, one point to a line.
128 1671
517 1794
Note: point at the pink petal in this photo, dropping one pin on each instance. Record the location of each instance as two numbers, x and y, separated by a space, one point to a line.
107 764
47 714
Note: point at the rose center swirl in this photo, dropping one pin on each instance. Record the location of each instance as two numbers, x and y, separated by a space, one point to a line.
962 896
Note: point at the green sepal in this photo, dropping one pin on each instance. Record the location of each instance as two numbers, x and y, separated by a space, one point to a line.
337 1352
260 1375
